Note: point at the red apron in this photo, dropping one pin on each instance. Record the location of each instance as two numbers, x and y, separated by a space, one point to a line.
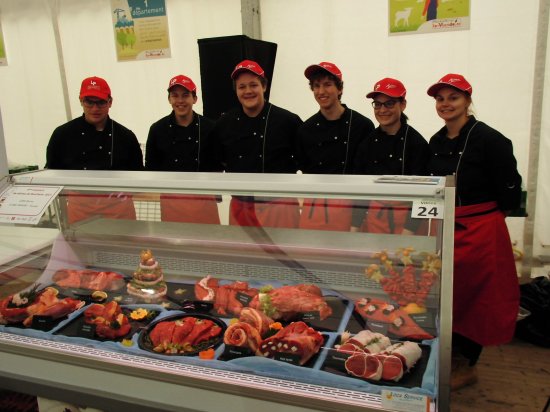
82 206
485 287
189 209
326 214
386 217
278 212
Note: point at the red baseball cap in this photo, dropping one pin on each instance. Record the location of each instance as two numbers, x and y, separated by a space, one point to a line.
390 87
325 66
184 81
96 87
454 80
248 65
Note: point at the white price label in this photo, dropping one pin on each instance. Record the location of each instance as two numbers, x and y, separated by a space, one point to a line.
427 209
405 402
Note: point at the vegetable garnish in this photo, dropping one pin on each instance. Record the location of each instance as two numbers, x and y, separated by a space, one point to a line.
207 354
276 326
139 314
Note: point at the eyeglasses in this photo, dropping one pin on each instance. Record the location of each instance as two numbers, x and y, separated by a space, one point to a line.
389 104
101 104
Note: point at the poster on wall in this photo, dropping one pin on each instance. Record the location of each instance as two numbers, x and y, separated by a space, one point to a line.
428 16
3 59
141 29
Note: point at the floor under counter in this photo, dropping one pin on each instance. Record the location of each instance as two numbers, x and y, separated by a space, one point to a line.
512 378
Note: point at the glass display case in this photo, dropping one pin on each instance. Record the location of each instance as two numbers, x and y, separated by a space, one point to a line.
123 295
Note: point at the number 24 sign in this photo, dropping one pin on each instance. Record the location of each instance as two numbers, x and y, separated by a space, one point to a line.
427 209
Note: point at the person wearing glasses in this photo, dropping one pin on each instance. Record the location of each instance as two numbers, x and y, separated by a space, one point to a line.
327 143
257 137
393 148
94 141
180 142
488 186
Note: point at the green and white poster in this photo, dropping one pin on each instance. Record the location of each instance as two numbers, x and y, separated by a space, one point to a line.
141 29
428 16
3 59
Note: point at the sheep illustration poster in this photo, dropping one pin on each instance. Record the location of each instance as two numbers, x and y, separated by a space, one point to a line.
428 16
141 29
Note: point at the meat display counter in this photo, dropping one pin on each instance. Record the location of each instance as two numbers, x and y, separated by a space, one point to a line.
245 314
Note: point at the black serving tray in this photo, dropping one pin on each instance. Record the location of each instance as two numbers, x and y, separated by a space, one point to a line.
80 329
145 343
334 363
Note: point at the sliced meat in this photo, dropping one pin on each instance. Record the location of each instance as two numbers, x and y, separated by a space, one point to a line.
257 319
243 335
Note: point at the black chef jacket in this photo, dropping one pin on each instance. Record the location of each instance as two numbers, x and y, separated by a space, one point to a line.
329 146
405 153
261 144
484 164
78 145
172 147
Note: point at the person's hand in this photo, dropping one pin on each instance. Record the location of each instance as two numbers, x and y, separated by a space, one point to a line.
354 229
407 232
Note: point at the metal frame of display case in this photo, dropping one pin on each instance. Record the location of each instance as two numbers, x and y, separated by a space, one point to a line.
111 380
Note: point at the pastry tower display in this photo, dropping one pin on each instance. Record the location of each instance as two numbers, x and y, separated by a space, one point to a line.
147 281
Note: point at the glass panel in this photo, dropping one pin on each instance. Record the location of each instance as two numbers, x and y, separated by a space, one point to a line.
329 287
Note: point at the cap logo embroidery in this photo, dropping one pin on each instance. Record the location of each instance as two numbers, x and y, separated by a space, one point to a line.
377 86
453 80
390 86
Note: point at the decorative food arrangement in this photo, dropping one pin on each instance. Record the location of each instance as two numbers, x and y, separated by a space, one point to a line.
249 330
372 356
88 279
296 339
183 334
108 319
147 281
22 307
410 287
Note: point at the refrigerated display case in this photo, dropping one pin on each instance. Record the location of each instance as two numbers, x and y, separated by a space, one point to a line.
75 329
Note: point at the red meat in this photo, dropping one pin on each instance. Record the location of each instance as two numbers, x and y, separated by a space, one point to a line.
110 322
399 322
392 368
288 301
296 339
88 279
48 304
161 335
202 292
257 319
365 366
203 329
243 335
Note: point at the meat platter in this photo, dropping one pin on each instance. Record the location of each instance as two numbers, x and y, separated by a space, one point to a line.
226 320
137 319
182 334
337 360
37 308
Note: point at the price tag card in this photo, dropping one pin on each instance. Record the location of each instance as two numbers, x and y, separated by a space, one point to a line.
405 402
26 204
428 209
244 298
